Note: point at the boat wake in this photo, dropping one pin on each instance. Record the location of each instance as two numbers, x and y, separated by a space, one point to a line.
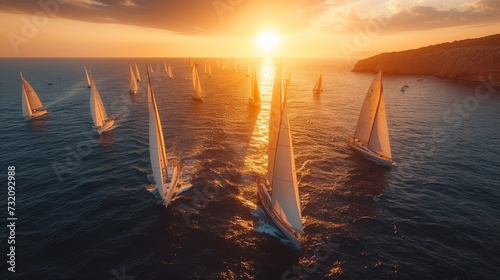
263 225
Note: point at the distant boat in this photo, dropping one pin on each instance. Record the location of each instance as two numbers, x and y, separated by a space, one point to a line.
137 73
166 169
254 88
419 80
403 89
50 84
190 63
31 104
151 69
132 81
99 116
209 70
218 65
165 68
87 74
318 88
280 195
247 74
197 92
169 72
371 138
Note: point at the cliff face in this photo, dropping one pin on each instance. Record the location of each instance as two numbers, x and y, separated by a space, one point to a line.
461 60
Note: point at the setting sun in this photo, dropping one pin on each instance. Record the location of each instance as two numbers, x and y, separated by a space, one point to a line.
267 40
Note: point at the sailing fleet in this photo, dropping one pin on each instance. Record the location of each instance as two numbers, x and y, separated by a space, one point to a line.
279 190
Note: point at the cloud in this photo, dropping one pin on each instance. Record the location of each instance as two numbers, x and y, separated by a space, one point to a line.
206 17
397 18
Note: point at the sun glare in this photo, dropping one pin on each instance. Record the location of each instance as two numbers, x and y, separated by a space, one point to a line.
267 40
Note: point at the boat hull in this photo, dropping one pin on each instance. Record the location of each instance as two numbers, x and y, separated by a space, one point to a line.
106 126
197 97
293 236
368 154
36 114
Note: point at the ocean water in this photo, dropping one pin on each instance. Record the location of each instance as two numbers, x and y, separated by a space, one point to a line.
87 207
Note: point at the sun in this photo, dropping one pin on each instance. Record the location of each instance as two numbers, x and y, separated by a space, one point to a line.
267 40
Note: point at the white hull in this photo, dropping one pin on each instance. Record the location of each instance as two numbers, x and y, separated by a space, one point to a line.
369 154
106 126
285 228
37 114
174 169
197 97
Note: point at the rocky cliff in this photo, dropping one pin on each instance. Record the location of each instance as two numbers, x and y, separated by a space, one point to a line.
462 60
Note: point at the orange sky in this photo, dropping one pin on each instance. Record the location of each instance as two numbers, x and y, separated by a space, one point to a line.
155 28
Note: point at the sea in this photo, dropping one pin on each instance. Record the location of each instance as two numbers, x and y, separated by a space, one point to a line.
86 205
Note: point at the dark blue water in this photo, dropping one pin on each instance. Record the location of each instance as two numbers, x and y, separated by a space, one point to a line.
86 208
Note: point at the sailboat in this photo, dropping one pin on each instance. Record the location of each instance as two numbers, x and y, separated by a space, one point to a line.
371 138
318 88
209 70
137 73
87 74
254 88
166 169
247 74
132 81
197 92
99 116
32 106
165 68
280 194
169 72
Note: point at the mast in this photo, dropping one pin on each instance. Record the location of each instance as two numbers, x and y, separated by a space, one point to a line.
27 112
274 122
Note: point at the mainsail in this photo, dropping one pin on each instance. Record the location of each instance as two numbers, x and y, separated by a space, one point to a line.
132 81
87 74
319 85
96 107
30 101
285 198
137 73
169 71
196 83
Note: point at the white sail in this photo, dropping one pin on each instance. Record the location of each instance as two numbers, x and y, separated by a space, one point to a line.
319 84
31 104
369 109
285 198
209 70
274 122
196 83
132 81
87 74
169 71
255 87
379 138
156 144
137 73
218 65
165 67
206 66
96 107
